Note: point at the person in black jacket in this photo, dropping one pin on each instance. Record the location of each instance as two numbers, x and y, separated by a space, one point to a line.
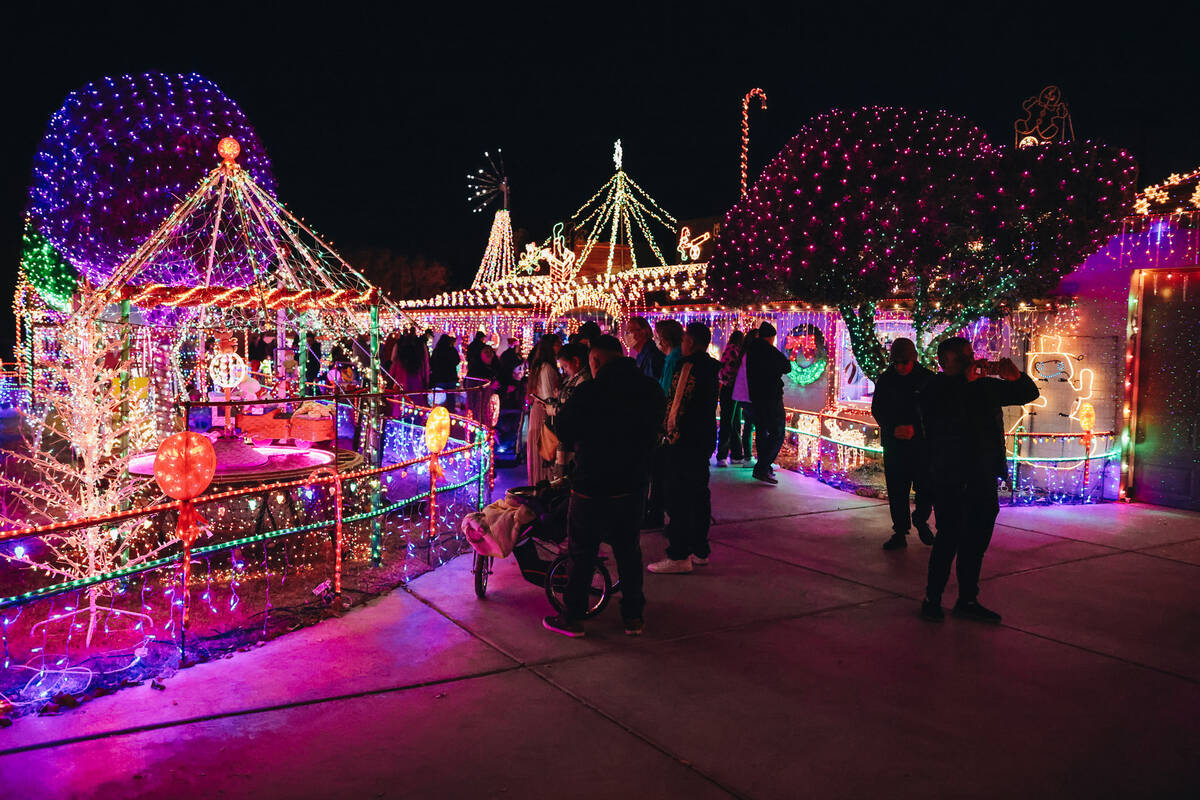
962 414
613 423
894 407
443 368
692 435
506 370
765 368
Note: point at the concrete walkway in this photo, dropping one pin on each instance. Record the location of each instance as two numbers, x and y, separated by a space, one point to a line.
794 666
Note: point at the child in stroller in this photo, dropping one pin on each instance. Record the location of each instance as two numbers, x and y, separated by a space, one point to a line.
545 532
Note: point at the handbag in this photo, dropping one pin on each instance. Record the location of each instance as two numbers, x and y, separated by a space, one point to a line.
547 444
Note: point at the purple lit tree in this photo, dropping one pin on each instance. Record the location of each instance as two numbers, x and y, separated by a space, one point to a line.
120 154
882 204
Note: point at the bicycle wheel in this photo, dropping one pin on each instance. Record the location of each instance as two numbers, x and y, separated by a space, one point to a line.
598 594
482 567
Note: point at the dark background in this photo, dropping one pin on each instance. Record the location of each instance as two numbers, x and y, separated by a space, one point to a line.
373 116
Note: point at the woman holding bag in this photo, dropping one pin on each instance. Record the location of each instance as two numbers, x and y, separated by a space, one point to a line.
543 385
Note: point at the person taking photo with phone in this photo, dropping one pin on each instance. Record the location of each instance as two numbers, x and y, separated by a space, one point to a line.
962 414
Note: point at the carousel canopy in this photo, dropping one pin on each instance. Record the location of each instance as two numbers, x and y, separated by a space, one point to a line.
231 246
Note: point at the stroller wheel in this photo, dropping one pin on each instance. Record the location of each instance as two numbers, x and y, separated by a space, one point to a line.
482 567
598 594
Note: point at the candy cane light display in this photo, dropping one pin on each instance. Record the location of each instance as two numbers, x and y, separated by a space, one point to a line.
762 104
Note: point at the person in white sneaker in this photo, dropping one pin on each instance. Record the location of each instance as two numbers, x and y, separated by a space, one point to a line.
692 434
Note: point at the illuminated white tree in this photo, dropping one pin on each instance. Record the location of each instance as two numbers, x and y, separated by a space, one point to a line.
75 467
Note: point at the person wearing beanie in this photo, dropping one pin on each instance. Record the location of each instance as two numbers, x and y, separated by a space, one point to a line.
765 368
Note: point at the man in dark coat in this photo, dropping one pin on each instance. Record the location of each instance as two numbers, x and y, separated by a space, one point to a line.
692 434
472 353
506 369
765 368
894 407
639 337
962 414
612 423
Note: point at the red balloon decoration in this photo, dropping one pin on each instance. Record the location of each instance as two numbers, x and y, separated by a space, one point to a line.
183 468
185 465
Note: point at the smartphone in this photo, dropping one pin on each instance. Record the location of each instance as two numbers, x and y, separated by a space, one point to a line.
986 367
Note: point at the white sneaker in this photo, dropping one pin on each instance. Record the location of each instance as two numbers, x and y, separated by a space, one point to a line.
671 565
721 462
699 562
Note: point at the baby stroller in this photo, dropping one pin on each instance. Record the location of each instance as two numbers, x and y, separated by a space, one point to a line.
540 548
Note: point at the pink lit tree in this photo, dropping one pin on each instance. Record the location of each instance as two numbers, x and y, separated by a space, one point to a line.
880 204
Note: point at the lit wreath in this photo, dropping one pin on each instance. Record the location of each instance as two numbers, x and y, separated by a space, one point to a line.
806 371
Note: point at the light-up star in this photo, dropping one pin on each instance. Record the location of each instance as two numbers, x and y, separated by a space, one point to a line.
618 154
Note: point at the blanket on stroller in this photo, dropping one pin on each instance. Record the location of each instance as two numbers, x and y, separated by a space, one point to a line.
494 531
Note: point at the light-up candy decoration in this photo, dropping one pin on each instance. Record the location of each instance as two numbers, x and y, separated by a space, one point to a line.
116 158
332 472
437 434
227 370
437 430
183 468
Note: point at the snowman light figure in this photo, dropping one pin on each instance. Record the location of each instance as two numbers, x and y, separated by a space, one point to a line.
1066 409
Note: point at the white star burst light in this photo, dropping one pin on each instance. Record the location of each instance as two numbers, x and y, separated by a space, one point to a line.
488 182
485 185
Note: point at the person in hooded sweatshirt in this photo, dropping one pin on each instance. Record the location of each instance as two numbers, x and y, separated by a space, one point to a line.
692 432
612 423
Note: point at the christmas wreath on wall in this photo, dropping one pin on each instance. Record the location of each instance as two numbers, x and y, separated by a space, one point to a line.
808 352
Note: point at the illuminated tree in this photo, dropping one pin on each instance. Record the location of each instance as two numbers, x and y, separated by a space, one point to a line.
883 204
46 271
74 466
117 157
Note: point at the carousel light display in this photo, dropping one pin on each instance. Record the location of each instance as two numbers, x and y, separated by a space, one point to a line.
118 155
228 243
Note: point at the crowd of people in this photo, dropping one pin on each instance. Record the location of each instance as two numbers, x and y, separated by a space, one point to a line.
634 418
637 425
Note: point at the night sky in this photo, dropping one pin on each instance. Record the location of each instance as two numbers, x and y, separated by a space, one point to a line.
373 118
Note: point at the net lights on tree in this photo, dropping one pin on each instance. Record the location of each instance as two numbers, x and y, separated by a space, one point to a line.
46 271
877 203
118 155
